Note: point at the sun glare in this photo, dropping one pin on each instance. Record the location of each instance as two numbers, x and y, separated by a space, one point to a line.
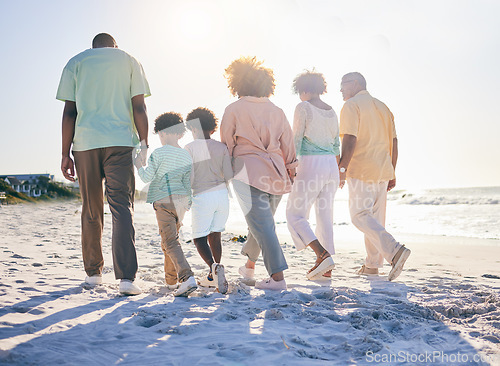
195 22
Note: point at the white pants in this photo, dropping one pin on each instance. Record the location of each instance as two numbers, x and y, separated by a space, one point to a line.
315 184
367 205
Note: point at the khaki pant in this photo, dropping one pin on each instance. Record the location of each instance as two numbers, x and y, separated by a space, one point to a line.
367 204
169 213
113 165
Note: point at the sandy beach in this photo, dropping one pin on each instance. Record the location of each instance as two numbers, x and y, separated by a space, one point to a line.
443 310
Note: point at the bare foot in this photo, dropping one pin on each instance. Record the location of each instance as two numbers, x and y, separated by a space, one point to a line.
250 264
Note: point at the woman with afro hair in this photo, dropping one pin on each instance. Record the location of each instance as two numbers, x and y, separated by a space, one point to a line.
260 142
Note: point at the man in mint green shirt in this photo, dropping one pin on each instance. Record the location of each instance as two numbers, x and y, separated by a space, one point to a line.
104 118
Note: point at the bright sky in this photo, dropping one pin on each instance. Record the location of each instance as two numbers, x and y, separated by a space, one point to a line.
434 63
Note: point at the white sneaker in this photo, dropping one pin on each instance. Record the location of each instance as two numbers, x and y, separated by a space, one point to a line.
128 287
93 280
247 273
186 287
270 284
219 277
206 281
172 287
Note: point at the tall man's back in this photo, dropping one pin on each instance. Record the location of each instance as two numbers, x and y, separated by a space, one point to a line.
369 156
104 118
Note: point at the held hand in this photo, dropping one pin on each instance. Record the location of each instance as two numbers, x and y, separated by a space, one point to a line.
292 173
140 157
143 156
136 160
391 185
68 168
342 179
137 163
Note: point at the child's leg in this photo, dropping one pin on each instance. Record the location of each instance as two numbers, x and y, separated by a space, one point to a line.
218 225
204 250
168 223
214 239
170 273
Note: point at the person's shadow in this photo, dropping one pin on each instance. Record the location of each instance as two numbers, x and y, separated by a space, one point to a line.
342 326
316 325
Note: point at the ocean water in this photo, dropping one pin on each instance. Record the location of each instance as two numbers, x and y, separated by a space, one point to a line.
467 212
463 212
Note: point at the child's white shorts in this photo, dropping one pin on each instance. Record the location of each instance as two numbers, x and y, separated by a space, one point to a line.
209 212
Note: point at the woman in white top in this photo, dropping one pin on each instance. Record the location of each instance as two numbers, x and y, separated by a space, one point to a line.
316 137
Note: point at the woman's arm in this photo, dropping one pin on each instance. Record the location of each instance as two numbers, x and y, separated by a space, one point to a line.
299 126
288 148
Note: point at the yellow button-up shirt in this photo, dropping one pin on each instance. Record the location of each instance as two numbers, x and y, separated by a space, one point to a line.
372 123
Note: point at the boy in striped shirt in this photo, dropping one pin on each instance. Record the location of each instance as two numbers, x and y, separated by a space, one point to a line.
169 171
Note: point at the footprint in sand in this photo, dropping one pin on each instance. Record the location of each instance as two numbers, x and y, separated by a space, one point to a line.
17 256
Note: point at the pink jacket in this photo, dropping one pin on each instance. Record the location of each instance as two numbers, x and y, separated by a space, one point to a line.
260 141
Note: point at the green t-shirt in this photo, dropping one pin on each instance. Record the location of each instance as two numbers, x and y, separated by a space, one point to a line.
102 82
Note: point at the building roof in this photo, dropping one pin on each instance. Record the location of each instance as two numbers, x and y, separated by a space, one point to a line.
22 177
13 181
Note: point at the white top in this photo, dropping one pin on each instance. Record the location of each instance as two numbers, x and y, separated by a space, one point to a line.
315 130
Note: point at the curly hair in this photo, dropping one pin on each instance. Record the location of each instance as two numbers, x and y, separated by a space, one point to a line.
171 122
203 117
309 81
247 77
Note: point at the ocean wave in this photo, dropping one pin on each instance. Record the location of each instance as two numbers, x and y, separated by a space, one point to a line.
409 199
433 199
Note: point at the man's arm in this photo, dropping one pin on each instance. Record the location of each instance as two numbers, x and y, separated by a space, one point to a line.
141 124
348 146
392 182
68 132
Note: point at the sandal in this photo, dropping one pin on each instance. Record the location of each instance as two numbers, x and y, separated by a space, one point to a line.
323 264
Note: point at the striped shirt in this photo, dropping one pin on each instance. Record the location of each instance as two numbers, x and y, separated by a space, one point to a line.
169 171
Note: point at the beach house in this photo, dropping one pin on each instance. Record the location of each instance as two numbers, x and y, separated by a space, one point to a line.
33 185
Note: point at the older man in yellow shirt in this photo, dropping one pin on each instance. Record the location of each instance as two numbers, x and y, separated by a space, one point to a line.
369 156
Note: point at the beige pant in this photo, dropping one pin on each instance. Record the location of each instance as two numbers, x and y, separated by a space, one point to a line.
367 204
315 184
113 165
169 213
